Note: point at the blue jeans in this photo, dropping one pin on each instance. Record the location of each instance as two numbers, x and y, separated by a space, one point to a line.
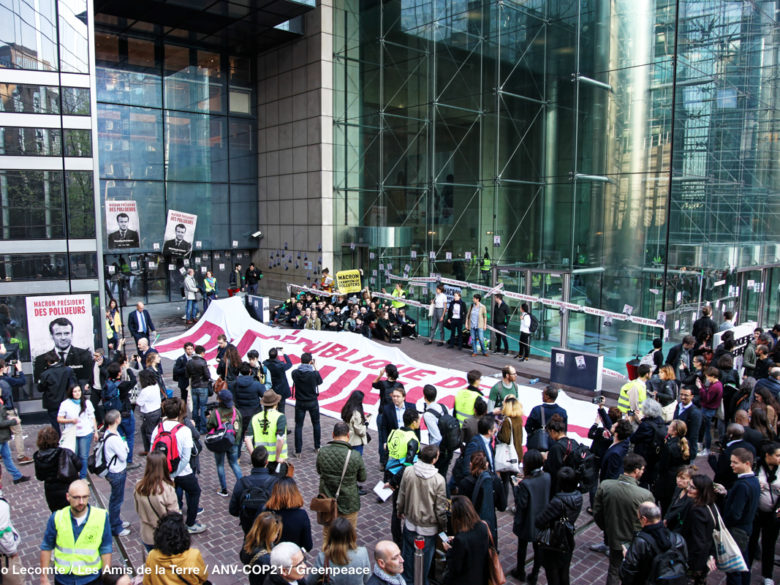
358 449
127 428
199 398
192 309
408 554
8 460
82 450
707 416
232 457
478 335
117 481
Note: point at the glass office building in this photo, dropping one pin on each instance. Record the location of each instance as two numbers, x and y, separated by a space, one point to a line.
603 153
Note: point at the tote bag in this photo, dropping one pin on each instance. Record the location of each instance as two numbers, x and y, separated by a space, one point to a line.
728 557
506 458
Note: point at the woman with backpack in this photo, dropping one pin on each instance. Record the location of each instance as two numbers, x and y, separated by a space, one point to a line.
154 496
56 467
224 417
256 552
559 517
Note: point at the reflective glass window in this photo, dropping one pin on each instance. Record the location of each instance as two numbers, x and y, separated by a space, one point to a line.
29 99
28 35
75 101
32 205
150 203
79 191
78 142
31 141
197 147
207 201
74 36
130 142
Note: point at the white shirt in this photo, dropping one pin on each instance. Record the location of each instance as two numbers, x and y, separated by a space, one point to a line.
525 323
10 537
116 445
440 301
184 439
149 399
71 410
432 423
456 310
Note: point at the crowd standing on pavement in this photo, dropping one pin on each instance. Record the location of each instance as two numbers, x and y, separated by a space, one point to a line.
664 519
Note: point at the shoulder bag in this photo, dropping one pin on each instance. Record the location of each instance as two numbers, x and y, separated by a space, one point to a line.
728 557
495 571
327 508
539 439
506 458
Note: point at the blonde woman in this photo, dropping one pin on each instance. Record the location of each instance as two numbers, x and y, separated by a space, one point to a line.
511 429
675 454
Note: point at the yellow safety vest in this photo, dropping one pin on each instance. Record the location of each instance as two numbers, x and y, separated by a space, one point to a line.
109 329
268 438
398 443
209 287
485 264
79 557
464 404
399 294
623 402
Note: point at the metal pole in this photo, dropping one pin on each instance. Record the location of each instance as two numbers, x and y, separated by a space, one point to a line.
419 547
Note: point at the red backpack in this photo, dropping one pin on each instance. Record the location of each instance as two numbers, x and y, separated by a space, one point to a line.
165 442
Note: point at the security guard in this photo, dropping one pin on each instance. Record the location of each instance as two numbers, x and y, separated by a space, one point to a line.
634 393
399 293
465 398
485 267
80 537
269 429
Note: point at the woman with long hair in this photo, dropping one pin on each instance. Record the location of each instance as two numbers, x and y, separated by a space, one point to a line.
230 365
152 364
680 502
760 422
78 425
114 317
479 486
352 413
172 554
47 466
665 389
675 453
256 551
698 525
766 399
511 430
467 550
341 550
286 500
154 496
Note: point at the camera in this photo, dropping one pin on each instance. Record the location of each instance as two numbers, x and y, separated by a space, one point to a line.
630 413
598 399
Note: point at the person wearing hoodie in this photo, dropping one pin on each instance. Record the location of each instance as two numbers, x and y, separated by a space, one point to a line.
564 506
247 392
226 412
172 554
422 505
306 379
47 462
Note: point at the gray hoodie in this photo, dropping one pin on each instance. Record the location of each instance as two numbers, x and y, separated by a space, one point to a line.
422 499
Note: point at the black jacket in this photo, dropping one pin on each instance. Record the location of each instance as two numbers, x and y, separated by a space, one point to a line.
133 324
563 505
463 309
673 359
701 324
180 371
697 532
54 384
47 464
246 394
691 416
389 420
468 557
198 372
278 368
259 477
646 545
531 497
306 380
501 314
648 441
722 466
385 387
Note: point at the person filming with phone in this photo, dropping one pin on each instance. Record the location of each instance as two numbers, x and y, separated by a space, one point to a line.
306 381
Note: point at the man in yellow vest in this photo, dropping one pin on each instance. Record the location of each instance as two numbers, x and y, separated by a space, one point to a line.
485 267
399 293
634 393
402 448
80 537
465 398
269 429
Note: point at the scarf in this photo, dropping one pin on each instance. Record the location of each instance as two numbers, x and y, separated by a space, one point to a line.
392 579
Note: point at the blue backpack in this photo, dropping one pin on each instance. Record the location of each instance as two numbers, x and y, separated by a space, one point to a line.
110 396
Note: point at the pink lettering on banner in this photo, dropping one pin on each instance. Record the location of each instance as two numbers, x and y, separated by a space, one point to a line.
338 385
333 351
452 383
195 335
343 358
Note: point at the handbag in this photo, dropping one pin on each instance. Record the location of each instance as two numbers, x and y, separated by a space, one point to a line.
539 439
495 571
505 458
728 557
66 469
557 537
668 411
327 508
219 385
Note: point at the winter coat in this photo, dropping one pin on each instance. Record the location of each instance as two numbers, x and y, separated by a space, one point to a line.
648 440
330 463
563 505
306 380
617 501
468 557
246 395
531 497
635 569
46 467
278 370
422 499
697 531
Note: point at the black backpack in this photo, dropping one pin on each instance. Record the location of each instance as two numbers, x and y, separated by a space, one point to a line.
449 427
584 463
534 323
252 503
668 567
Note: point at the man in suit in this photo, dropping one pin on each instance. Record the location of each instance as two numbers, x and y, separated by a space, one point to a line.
393 413
123 237
679 357
734 439
177 246
79 360
483 442
140 323
690 414
53 385
180 369
278 370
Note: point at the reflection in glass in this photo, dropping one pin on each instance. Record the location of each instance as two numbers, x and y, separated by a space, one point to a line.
31 205
130 141
75 101
78 142
74 36
28 35
16 141
29 99
150 202
196 147
81 204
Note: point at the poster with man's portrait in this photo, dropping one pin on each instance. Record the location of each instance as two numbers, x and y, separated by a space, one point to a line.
122 225
179 234
61 329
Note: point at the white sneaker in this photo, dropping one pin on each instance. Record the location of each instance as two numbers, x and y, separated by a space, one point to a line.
768 581
125 532
704 453
126 524
196 528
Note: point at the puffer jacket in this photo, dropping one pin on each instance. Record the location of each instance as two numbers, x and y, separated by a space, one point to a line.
635 569
330 463
422 499
246 394
563 505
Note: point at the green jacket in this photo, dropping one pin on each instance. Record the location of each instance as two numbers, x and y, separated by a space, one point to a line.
5 426
617 501
330 463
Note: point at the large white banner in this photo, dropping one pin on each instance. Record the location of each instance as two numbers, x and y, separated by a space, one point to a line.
347 362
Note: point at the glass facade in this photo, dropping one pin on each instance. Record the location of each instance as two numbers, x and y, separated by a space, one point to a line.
177 131
604 153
